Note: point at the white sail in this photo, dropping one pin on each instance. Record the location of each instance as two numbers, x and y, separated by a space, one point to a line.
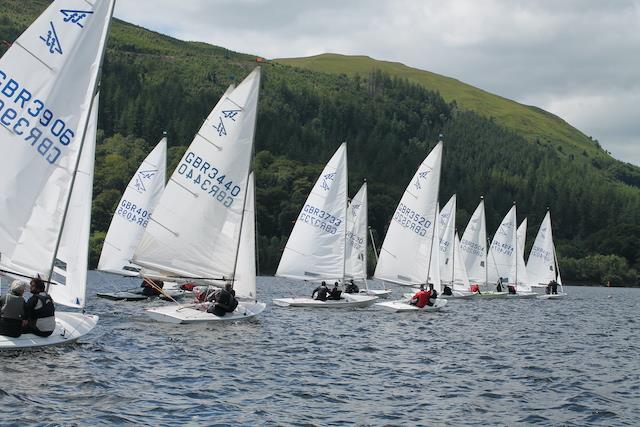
460 278
473 246
70 270
356 251
133 213
523 277
447 224
502 253
406 250
541 266
434 266
195 226
245 283
47 82
316 247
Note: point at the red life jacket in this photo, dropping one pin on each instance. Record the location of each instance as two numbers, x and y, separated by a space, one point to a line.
422 296
474 288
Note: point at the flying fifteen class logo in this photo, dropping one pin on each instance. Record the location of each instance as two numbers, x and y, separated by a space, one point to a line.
144 177
75 16
51 40
504 228
421 178
355 209
326 181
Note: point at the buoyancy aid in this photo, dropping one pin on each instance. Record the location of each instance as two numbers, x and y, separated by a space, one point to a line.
13 307
47 309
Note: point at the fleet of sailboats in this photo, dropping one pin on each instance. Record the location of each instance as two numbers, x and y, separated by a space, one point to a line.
200 226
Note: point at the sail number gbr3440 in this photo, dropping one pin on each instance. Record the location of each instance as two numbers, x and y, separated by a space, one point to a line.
208 178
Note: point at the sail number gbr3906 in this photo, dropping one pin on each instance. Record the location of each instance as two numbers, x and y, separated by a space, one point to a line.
207 178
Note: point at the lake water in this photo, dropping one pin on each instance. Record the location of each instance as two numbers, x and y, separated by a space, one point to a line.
516 362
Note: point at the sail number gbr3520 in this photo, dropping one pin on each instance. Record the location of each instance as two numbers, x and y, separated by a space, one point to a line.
208 178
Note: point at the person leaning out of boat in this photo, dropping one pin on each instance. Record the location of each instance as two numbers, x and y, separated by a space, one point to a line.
433 294
335 292
351 288
13 308
40 311
151 288
225 301
421 298
322 292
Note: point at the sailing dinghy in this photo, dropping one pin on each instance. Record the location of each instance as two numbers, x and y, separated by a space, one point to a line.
195 232
523 287
542 266
48 150
317 247
407 256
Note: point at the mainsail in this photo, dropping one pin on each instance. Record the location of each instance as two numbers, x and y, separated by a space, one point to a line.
406 251
316 247
523 277
48 79
195 227
541 266
245 283
133 213
473 246
460 278
502 253
434 266
447 223
356 252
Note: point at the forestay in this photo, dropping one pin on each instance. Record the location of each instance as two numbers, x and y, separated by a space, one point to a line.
406 250
541 266
316 247
473 246
503 253
196 225
133 213
356 251
245 283
70 271
47 82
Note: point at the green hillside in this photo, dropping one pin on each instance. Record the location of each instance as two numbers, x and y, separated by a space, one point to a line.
531 122
390 116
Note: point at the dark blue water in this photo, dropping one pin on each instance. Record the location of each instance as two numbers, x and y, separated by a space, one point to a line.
515 362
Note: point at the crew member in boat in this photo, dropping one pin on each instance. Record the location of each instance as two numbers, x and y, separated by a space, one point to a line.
322 291
447 290
151 288
351 288
511 289
433 294
12 310
499 285
40 311
553 287
335 292
421 298
225 301
475 288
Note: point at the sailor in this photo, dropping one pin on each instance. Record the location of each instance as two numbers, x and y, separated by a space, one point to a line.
40 311
447 290
12 307
151 288
226 301
335 292
499 285
433 294
322 292
351 288
554 287
421 298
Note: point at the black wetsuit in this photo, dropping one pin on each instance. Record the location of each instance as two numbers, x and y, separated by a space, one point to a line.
322 292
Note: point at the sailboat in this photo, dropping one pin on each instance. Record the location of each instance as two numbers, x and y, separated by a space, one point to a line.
523 287
317 247
452 270
48 147
356 246
542 266
503 253
130 219
195 231
409 253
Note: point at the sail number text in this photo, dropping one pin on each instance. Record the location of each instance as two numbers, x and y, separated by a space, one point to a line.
206 177
412 220
133 213
320 219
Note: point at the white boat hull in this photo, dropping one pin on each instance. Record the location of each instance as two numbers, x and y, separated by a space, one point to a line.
524 295
190 314
552 296
400 306
456 295
347 301
69 327
380 293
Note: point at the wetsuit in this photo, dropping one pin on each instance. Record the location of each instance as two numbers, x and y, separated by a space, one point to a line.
322 292
40 312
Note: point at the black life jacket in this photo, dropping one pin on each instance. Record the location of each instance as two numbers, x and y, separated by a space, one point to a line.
47 309
13 307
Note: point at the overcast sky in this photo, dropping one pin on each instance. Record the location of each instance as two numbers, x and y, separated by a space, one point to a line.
579 59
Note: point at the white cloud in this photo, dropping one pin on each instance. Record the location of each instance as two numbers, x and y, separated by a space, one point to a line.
576 58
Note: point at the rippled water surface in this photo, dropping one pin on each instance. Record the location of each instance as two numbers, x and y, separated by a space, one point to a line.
493 362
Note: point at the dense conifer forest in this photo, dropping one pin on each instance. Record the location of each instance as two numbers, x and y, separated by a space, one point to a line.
152 83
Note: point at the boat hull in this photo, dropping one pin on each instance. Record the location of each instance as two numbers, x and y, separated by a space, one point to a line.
190 314
401 306
552 296
380 293
347 301
69 328
524 295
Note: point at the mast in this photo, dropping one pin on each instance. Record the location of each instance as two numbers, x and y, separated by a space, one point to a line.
366 222
244 199
516 253
453 259
84 133
435 215
486 260
346 211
